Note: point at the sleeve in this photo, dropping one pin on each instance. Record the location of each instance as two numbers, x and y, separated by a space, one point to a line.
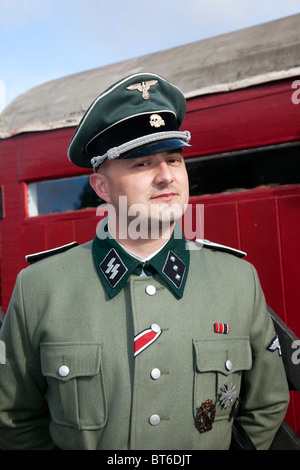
24 422
265 392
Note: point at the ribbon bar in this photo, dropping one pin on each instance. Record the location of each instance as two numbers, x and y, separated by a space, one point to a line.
221 328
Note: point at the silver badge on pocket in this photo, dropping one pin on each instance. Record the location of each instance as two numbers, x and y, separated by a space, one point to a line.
228 395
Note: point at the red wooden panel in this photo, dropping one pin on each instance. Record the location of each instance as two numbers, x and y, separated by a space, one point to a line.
289 221
85 229
44 155
252 117
260 239
34 238
59 234
221 223
220 219
11 243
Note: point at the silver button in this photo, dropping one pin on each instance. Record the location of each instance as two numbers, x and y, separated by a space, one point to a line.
155 373
228 364
154 420
155 328
63 371
151 290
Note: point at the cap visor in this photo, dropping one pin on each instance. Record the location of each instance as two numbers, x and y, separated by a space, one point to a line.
157 147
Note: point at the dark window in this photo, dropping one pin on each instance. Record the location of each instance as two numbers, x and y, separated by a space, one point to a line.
228 172
268 166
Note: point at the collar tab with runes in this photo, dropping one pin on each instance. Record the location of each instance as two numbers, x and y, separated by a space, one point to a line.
114 265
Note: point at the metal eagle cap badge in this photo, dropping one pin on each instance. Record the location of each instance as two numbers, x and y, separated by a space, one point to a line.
143 87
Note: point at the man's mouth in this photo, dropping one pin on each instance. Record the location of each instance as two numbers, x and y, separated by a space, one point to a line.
164 196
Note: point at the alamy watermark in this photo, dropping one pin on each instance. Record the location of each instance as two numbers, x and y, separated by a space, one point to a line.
296 354
141 222
296 94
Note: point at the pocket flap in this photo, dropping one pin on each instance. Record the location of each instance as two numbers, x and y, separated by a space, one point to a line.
78 359
212 355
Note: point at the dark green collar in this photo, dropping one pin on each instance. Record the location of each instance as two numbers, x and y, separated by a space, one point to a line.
114 265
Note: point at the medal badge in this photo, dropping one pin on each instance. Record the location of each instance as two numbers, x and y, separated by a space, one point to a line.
228 395
206 416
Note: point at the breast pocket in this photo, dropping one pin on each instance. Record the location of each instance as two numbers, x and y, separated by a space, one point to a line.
219 365
75 394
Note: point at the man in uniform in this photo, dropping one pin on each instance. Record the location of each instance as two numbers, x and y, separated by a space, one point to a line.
139 339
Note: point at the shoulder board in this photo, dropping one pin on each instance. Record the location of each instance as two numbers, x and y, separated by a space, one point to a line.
34 257
218 247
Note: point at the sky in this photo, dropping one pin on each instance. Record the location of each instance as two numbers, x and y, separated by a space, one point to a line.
41 40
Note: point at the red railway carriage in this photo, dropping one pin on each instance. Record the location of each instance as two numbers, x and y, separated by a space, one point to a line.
243 111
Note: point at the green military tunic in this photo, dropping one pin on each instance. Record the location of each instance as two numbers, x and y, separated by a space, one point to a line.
73 351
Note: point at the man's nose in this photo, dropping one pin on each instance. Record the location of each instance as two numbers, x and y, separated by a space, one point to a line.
164 174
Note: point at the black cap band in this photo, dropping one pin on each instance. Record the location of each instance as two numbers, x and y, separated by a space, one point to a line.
130 129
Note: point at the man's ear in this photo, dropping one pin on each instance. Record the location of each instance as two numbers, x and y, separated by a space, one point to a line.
98 182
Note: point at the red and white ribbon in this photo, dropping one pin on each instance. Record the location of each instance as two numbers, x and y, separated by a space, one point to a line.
145 338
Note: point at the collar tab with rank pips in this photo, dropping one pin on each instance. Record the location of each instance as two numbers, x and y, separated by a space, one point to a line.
114 265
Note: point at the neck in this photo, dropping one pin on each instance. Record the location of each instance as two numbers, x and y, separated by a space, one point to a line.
144 246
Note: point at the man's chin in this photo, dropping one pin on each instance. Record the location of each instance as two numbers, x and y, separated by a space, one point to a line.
166 212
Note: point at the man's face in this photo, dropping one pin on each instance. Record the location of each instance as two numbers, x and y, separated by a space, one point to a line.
154 187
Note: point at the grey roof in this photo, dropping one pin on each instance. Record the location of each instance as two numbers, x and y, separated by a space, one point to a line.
252 55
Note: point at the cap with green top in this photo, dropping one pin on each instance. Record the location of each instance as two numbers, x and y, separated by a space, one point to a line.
137 116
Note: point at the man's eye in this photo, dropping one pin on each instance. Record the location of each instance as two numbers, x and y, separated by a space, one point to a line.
174 160
141 164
